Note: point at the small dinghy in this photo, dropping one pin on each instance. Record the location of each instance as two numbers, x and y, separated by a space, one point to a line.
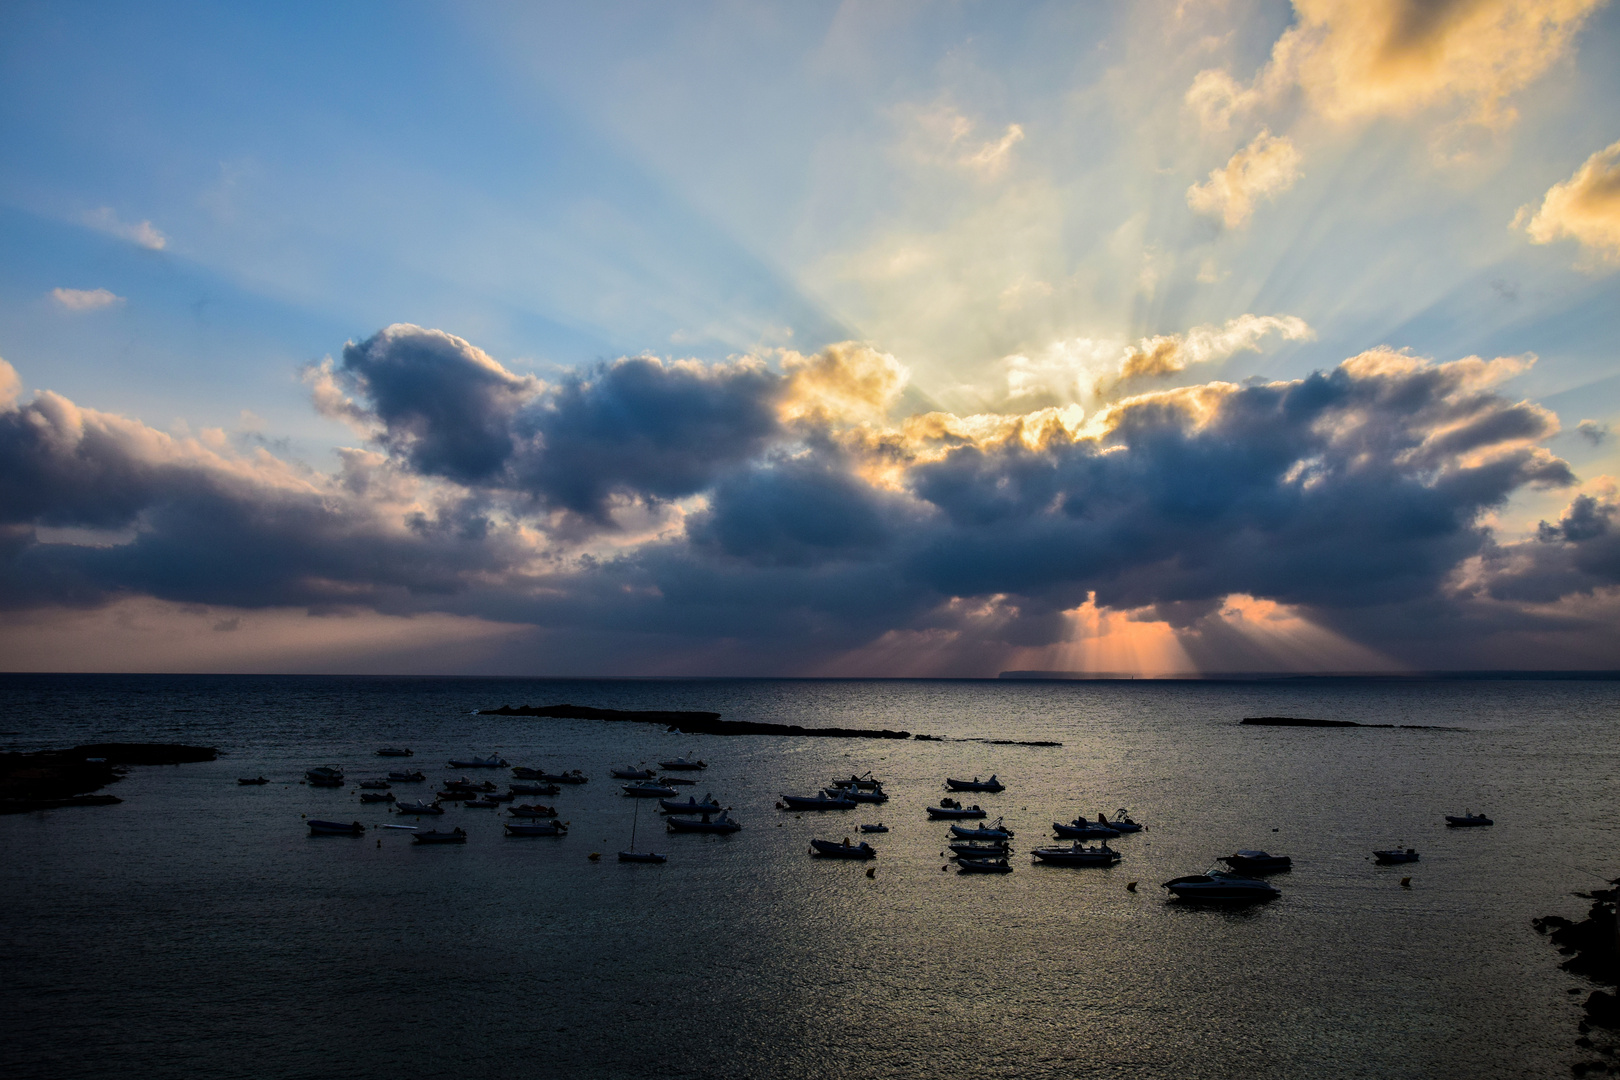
1077 854
1257 862
861 795
993 831
642 856
419 807
1081 829
1122 822
858 783
845 850
522 773
983 866
951 810
374 784
376 796
536 828
434 836
691 805
405 778
976 784
251 781
1216 887
980 849
879 827
682 764
465 784
325 776
485 803
647 789
673 781
820 801
534 789
572 776
494 761
1395 855
1467 821
336 828
628 773
395 751
532 810
721 824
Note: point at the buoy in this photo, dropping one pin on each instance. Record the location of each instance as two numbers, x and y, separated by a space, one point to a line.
1130 886
1406 883
593 856
379 843
943 869
871 871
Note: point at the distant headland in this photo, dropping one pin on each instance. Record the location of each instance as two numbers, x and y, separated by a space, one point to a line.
690 723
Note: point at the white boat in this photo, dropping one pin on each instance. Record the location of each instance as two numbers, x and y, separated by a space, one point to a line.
983 866
1081 829
628 773
1395 855
879 827
325 776
845 850
875 794
1257 862
820 801
395 751
691 805
434 836
1217 887
376 796
1077 854
534 789
976 784
993 831
1467 821
536 828
494 761
573 776
642 856
532 810
647 789
405 778
419 807
721 824
376 784
336 828
950 809
681 764
981 849
858 783
1122 822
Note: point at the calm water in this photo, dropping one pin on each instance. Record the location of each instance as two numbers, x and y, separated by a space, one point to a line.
196 931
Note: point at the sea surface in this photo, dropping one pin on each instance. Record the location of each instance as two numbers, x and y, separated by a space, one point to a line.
195 930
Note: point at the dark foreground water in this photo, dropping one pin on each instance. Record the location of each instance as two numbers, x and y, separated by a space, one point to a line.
196 931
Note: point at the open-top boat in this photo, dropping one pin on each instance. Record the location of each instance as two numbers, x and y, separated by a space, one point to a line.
494 761
1467 821
573 776
721 824
434 836
875 794
325 776
1257 862
950 809
475 786
845 850
1395 855
983 866
536 828
877 828
419 807
820 801
534 789
980 849
709 805
395 751
647 789
1122 822
976 784
859 783
1081 829
532 810
1077 854
484 803
682 764
376 796
336 828
629 773
993 831
406 777
1217 887
251 781
376 783
682 781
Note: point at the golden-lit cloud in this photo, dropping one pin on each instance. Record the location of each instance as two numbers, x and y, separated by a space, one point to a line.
1266 167
844 382
1168 354
1585 208
143 233
85 299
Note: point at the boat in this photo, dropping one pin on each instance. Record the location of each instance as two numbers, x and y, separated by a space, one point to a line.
325 776
640 856
336 828
874 795
457 794
251 781
395 751
647 789
465 784
879 827
950 809
573 776
1122 822
534 789
993 831
859 783
845 850
1081 829
976 784
1467 821
1077 854
721 824
1257 862
434 836
405 778
1217 887
376 796
691 806
819 801
672 781
536 828
532 810
494 761
375 784
419 807
681 764
485 803
629 773
1395 855
983 866
501 796
981 849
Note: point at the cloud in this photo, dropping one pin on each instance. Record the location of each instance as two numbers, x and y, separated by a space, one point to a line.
1585 208
1170 354
941 135
1266 167
85 299
1592 431
142 232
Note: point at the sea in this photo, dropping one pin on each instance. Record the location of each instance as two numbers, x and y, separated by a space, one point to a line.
196 930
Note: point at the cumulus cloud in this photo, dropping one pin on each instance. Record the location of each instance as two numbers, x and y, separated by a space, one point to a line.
1585 208
1592 431
1266 167
941 135
85 299
140 232
1170 354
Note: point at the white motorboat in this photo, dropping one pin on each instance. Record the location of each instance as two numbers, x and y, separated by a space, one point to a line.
879 827
434 836
395 751
976 784
1393 856
1217 887
709 805
820 801
1081 829
1257 862
1122 822
534 789
981 849
494 761
536 828
682 764
859 783
419 807
993 831
648 789
875 794
983 866
376 796
406 778
951 810
1467 821
336 828
573 776
845 850
721 824
630 773
1077 854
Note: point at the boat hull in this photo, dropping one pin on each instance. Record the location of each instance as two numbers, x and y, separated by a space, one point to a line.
1221 889
336 828
983 866
642 857
828 849
799 802
1066 857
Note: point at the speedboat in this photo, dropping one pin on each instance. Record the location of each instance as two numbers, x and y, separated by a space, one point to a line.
1077 854
1257 862
721 824
405 778
875 795
419 807
845 850
375 784
983 866
1081 829
434 836
395 751
1217 887
858 783
627 773
1467 821
534 789
819 801
993 831
1395 855
691 806
335 828
532 810
642 856
647 789
536 828
376 796
950 809
981 849
879 827
976 784
251 781
1122 822
494 761
681 764
325 776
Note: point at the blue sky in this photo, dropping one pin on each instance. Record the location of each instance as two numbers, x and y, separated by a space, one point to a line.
1054 218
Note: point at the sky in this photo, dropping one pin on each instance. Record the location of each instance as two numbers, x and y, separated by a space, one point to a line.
810 339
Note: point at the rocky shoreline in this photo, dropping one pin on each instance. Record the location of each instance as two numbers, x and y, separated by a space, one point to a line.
690 723
1593 948
52 779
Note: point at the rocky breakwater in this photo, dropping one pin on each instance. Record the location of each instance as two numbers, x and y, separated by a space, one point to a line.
1593 948
690 723
48 779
